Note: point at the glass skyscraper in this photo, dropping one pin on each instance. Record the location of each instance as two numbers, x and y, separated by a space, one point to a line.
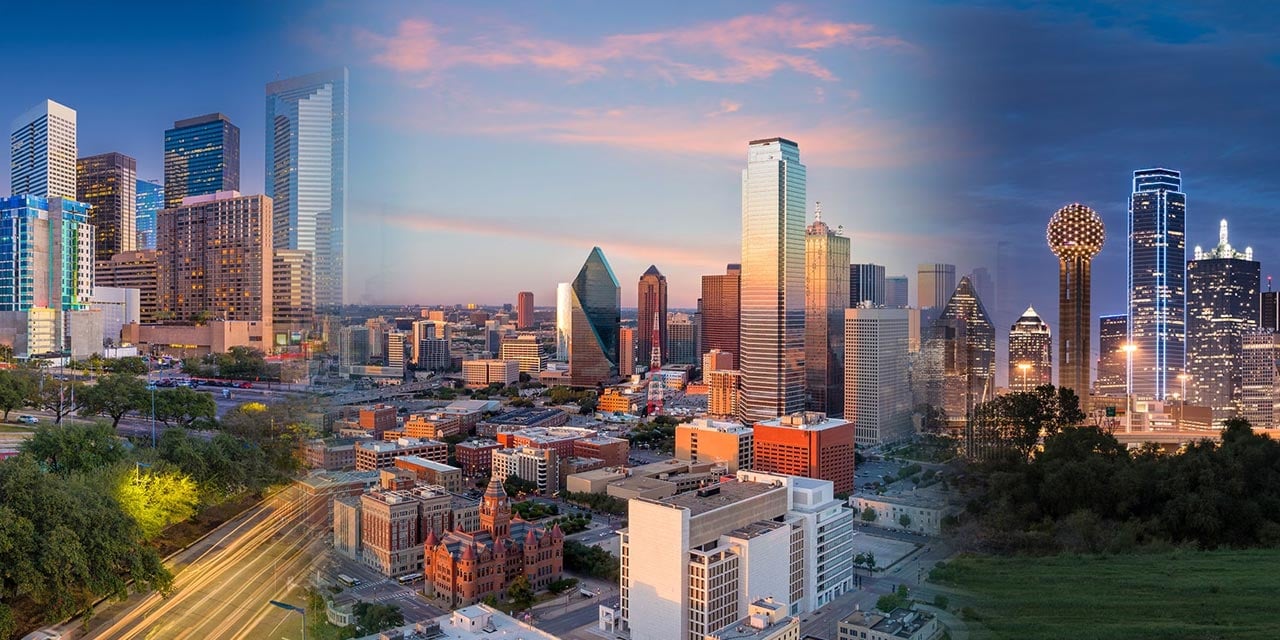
46 254
107 183
596 312
1030 352
1222 306
1113 363
306 172
1157 281
201 156
651 301
150 200
826 286
772 285
867 283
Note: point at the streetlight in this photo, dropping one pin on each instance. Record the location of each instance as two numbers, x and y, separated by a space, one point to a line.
1024 367
1128 348
288 607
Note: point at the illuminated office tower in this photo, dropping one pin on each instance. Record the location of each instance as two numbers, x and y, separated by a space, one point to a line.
1075 234
43 142
1157 281
895 292
1269 314
564 320
957 359
826 292
934 284
596 310
772 288
524 310
877 391
627 351
1030 352
306 172
651 300
46 254
1113 363
720 296
1260 378
149 200
1222 306
201 157
108 183
867 283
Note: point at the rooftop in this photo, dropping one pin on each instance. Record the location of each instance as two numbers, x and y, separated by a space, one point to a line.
718 495
323 479
805 420
419 461
381 446
528 415
707 424
900 623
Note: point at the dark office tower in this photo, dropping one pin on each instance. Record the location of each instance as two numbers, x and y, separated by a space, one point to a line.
934 284
1222 299
1157 281
1269 314
524 310
1075 235
652 298
306 172
1113 376
826 293
895 292
596 311
867 283
958 359
1030 352
201 156
720 311
108 184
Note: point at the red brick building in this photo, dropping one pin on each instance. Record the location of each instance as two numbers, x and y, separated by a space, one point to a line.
806 444
475 456
463 567
377 418
614 451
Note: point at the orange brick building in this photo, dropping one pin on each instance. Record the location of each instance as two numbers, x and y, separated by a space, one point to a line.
806 444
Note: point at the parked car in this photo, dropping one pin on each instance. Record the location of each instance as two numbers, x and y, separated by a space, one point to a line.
28 420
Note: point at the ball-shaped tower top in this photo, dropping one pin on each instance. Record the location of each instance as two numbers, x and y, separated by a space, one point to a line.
1075 231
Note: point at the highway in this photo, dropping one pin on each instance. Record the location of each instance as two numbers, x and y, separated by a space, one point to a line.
223 592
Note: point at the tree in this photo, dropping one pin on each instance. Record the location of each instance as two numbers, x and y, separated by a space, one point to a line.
75 448
115 395
132 365
899 599
904 520
15 393
1018 421
57 396
869 515
184 407
514 485
154 498
377 617
520 591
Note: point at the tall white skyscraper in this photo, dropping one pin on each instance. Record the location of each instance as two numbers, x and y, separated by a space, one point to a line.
564 316
306 172
44 152
877 392
772 286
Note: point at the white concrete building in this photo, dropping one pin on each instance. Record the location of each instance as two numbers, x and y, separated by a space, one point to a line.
877 392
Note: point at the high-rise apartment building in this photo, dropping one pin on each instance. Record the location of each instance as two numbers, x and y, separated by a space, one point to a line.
877 390
149 200
306 173
1113 363
1157 281
807 444
826 287
1075 235
723 389
1260 379
720 309
934 284
651 306
595 314
353 346
292 295
108 184
896 292
133 270
1222 305
867 283
215 258
201 157
524 310
772 286
1030 352
44 152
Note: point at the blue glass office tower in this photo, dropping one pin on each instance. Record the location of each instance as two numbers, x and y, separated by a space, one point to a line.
595 313
306 173
1157 282
150 200
201 156
46 254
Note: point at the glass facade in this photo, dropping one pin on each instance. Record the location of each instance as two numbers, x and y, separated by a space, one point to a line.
46 254
958 357
772 286
108 183
1113 365
720 309
596 308
306 173
867 283
1222 306
651 301
1157 281
935 282
826 286
43 152
1030 352
149 201
201 156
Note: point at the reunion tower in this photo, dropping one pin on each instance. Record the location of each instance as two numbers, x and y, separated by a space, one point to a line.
1075 235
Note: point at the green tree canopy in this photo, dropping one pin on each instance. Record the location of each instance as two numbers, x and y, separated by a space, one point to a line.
155 498
184 407
72 448
115 395
16 390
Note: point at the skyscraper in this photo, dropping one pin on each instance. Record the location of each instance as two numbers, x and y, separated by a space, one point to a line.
43 141
867 283
1075 234
524 310
877 392
984 285
306 172
1030 352
1260 378
1157 278
627 351
1269 314
564 320
596 310
46 254
772 290
826 292
1113 363
650 301
108 184
895 292
149 201
682 339
958 356
720 310
1222 306
201 156
934 284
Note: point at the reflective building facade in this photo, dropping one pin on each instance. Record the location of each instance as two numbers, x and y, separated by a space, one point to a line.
595 314
306 172
867 283
934 284
772 288
1113 364
1222 306
895 292
651 300
108 183
201 156
1030 352
826 292
720 297
149 201
958 358
1157 281
564 320
46 254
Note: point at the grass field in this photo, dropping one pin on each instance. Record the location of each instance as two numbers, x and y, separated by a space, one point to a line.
13 428
1182 595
